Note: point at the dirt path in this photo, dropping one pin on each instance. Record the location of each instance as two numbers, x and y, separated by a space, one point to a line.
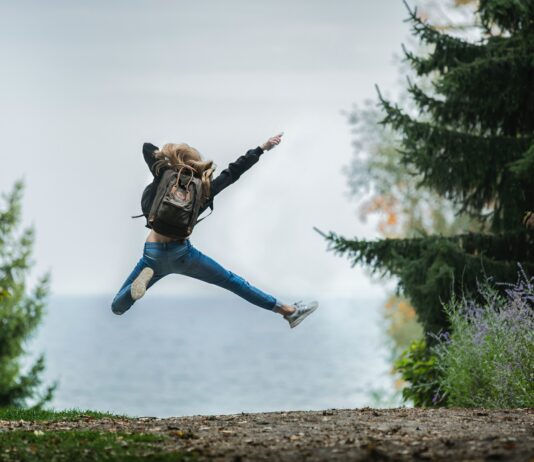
333 435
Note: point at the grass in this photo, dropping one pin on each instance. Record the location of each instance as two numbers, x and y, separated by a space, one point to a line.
81 445
13 413
86 446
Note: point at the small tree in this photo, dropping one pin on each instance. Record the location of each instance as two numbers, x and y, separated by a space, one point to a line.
21 311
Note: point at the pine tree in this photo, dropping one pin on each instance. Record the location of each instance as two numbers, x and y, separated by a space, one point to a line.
473 144
20 311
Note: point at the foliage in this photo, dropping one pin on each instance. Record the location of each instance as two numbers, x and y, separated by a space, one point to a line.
418 366
488 359
387 188
470 141
479 121
20 310
85 446
432 268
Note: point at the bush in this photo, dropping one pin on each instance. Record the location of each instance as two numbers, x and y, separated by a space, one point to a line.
488 360
417 365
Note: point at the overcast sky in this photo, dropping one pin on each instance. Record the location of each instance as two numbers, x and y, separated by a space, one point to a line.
84 84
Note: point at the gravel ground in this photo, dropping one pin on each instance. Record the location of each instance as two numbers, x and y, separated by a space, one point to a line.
332 435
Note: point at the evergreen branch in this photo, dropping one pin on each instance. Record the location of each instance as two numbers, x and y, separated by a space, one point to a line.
473 109
401 121
510 16
319 231
468 169
449 51
431 268
423 101
524 166
516 246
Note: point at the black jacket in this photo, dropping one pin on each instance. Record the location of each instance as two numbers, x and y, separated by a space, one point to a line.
228 176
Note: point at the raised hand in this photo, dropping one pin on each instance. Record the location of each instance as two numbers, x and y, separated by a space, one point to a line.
272 142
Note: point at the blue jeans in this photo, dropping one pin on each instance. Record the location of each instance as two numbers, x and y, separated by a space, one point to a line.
183 258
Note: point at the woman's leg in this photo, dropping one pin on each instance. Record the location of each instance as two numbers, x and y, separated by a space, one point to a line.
123 300
199 266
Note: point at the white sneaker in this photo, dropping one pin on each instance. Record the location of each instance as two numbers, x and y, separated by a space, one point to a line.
301 311
138 288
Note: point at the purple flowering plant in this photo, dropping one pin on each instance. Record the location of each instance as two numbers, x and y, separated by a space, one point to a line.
487 360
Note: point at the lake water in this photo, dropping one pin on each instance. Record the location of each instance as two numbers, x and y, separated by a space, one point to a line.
172 356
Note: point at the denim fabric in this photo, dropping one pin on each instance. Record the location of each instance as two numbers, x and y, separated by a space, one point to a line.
183 258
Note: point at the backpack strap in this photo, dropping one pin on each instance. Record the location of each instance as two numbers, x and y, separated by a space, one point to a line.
198 221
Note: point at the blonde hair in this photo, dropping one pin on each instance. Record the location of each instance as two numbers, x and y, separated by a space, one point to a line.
181 155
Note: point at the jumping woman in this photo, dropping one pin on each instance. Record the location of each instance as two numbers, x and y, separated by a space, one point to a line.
181 190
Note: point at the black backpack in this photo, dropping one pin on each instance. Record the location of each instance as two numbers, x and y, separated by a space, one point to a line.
177 201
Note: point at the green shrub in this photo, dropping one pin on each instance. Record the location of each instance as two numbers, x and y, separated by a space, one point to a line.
418 366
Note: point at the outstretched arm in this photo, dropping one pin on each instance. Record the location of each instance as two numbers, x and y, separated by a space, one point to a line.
235 169
232 173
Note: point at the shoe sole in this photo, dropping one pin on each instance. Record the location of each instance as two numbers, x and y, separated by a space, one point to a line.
299 320
138 288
